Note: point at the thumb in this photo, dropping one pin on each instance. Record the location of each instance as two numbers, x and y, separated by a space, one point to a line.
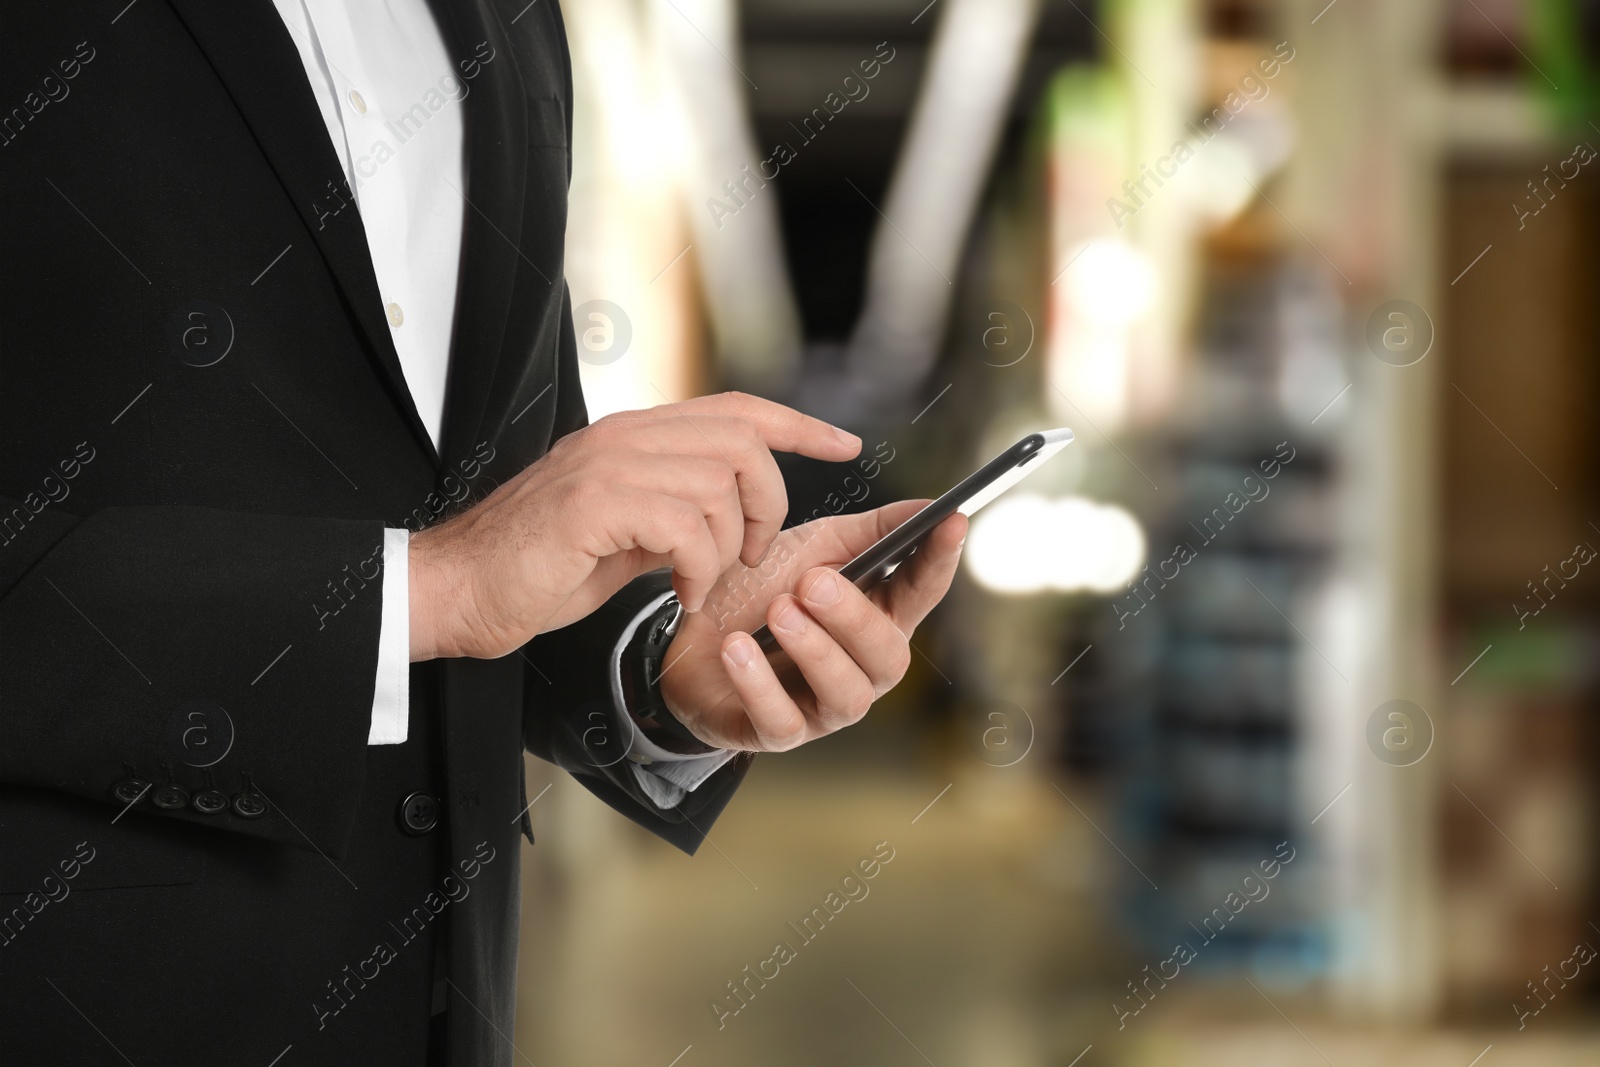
851 535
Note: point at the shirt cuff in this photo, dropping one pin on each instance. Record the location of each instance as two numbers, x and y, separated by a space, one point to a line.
666 777
391 696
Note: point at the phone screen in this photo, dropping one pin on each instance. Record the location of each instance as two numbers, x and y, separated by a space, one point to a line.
971 493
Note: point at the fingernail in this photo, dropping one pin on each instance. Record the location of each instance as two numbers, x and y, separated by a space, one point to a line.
847 438
824 591
742 652
791 619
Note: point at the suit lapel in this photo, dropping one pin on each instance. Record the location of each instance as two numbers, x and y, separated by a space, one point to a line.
496 159
482 703
251 50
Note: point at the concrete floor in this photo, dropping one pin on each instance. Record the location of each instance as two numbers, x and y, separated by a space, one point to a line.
975 945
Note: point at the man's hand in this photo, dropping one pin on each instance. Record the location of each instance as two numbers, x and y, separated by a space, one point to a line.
692 486
841 648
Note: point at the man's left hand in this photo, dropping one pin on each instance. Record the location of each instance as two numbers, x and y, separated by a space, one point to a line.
841 649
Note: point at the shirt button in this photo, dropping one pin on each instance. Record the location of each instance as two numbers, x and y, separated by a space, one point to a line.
358 103
419 813
396 316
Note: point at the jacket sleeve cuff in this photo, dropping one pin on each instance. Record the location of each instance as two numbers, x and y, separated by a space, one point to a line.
665 777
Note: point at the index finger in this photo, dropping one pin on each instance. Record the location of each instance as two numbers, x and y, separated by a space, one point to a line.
783 429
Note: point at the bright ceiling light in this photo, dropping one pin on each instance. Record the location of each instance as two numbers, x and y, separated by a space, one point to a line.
1225 177
1028 544
1110 283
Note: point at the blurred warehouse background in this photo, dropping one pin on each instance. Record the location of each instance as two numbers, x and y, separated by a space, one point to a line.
1258 729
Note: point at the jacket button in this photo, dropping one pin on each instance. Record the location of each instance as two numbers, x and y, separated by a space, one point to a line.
170 798
210 801
130 789
249 805
419 813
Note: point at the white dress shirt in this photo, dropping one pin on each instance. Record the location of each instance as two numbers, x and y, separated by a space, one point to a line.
392 102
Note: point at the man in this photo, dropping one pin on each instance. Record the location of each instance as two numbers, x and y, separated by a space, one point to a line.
303 537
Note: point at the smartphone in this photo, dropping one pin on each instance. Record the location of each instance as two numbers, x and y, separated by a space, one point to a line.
977 489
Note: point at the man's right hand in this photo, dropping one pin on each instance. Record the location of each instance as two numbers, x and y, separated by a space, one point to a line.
692 486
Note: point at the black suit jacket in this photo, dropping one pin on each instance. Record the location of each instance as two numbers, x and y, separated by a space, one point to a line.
205 431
